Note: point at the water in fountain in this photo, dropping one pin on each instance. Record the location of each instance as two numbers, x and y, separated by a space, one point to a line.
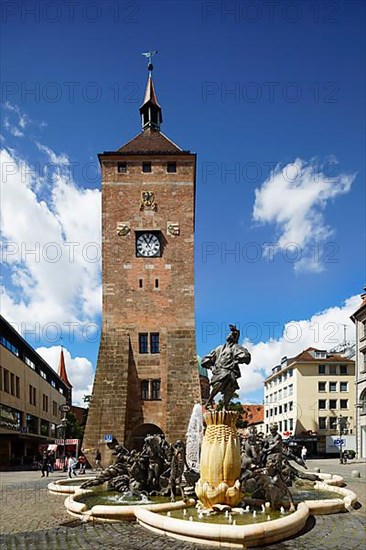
222 518
194 438
130 498
113 498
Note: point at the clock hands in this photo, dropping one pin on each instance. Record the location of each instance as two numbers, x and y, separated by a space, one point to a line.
148 245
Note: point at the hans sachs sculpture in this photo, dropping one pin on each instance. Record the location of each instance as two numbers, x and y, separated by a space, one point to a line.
225 362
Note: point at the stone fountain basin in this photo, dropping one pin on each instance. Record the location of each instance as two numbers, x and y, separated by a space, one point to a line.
259 534
332 506
105 513
66 486
154 518
215 534
331 479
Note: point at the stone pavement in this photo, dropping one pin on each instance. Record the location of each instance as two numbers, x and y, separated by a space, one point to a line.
31 518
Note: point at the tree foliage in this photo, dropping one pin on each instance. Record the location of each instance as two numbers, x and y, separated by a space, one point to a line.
235 406
73 429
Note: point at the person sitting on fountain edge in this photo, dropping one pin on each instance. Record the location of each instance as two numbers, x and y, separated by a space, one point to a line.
225 362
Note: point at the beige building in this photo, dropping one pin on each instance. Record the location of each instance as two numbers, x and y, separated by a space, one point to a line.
310 397
30 395
359 318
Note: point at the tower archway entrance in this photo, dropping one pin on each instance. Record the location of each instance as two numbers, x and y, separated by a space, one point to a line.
138 435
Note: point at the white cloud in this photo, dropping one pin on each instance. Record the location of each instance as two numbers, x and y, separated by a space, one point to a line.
14 131
23 119
294 198
324 330
51 245
79 371
52 156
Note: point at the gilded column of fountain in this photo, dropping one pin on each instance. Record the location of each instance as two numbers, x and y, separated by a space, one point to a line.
220 461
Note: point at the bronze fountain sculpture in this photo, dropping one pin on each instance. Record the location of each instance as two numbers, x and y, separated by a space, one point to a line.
230 467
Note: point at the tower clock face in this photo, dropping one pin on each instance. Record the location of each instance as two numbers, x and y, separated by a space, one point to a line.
148 245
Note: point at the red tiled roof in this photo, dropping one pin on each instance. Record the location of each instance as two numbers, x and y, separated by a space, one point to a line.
62 369
305 355
150 142
253 414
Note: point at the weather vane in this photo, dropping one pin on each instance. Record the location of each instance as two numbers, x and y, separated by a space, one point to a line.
150 55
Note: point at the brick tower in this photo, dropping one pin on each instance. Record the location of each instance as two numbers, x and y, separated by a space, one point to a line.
147 379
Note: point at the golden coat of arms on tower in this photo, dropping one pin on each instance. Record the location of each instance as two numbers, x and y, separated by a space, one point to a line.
148 201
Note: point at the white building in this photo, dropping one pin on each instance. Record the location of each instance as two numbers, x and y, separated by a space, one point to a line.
359 318
310 397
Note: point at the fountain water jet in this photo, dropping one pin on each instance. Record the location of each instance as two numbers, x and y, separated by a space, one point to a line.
194 438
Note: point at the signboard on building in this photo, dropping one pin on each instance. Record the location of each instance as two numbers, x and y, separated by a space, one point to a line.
108 438
67 441
333 442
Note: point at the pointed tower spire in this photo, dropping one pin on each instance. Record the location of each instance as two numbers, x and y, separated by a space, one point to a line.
62 369
150 110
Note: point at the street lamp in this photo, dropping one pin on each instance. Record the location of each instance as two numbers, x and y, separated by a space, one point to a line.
64 408
62 426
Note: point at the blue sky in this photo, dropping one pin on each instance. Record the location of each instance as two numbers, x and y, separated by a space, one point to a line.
271 101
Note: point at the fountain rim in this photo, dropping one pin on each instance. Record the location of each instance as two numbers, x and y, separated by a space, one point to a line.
213 533
62 486
126 512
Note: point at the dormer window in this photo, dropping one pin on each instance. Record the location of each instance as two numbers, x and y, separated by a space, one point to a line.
320 354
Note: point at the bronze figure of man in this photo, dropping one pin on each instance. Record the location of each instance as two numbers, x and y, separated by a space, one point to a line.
225 362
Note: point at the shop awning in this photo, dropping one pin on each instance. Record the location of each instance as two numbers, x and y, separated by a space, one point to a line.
52 448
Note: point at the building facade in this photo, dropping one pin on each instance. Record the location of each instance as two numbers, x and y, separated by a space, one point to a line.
359 318
311 398
147 379
30 396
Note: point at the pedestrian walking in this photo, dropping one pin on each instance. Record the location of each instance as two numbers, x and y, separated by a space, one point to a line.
45 466
82 462
52 458
304 452
98 458
71 465
345 456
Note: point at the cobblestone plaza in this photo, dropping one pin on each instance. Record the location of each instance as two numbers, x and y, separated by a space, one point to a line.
32 518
